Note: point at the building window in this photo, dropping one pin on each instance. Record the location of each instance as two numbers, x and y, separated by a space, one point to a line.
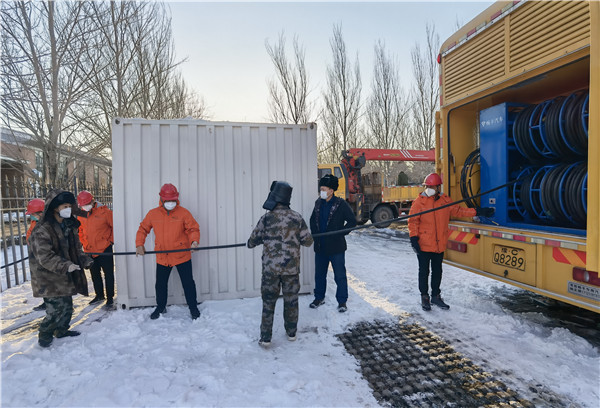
63 169
39 161
81 171
97 175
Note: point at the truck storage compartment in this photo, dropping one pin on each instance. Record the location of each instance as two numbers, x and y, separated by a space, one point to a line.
544 144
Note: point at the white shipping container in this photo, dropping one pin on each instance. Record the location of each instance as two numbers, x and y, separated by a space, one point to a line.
223 172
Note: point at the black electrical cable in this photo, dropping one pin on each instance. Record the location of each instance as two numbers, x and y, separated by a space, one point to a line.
522 137
466 176
322 234
525 196
537 131
553 137
571 123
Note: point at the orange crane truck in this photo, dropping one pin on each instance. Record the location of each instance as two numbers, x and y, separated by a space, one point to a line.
366 193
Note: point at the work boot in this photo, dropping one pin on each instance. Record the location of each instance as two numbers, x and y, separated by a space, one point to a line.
68 333
425 303
291 336
342 307
45 342
264 343
95 300
195 313
316 303
439 302
157 312
109 302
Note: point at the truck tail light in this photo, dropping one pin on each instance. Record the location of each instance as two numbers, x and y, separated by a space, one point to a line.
457 246
584 276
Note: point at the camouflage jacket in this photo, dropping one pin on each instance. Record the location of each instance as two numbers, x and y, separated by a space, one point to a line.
281 232
52 249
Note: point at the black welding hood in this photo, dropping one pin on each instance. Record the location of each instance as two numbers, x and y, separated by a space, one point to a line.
281 193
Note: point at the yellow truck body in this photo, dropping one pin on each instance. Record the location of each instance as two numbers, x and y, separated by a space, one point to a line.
522 53
400 193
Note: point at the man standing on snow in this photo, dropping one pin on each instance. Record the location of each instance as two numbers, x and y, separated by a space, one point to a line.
281 231
56 259
35 208
174 228
331 213
429 236
96 235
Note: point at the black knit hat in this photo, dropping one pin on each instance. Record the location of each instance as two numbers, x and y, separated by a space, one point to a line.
63 198
330 181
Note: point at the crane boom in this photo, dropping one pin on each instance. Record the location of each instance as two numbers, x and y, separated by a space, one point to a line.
393 154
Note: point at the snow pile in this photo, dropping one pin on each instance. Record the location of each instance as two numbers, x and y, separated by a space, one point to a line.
123 358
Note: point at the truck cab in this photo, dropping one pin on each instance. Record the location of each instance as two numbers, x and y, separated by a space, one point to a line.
336 170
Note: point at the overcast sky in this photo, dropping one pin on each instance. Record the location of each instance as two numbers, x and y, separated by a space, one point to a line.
227 62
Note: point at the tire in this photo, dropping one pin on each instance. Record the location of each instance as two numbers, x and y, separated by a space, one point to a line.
381 214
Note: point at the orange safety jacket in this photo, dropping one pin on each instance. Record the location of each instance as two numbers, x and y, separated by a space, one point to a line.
30 229
175 229
96 231
432 228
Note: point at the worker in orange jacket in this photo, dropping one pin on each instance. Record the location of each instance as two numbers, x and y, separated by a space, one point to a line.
35 208
174 228
429 236
96 235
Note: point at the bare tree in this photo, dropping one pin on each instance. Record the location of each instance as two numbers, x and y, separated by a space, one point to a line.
135 72
426 91
288 93
341 112
387 108
43 72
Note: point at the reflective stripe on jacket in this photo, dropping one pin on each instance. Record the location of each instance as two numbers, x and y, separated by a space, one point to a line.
432 228
96 231
175 229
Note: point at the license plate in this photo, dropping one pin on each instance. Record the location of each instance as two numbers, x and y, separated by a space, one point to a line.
509 257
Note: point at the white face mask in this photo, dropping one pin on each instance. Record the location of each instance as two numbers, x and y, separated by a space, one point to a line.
429 192
324 195
169 205
65 212
86 208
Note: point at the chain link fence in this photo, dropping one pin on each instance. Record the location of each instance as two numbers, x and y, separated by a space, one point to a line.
16 193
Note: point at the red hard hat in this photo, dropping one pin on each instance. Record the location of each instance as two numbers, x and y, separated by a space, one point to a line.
168 192
34 206
84 198
433 179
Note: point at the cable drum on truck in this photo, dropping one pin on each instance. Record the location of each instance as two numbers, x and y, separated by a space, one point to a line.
573 120
574 197
538 130
531 193
520 201
522 138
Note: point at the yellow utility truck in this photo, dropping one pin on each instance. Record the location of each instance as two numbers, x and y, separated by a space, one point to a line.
520 106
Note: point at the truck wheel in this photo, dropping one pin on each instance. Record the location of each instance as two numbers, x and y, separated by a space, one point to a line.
382 213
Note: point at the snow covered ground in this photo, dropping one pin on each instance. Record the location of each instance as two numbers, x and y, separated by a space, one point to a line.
123 358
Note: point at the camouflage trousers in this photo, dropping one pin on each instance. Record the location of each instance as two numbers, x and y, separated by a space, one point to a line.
58 316
271 285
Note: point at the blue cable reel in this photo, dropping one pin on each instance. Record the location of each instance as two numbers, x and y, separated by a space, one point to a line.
537 130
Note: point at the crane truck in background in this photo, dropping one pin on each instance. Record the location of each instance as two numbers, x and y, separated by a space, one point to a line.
367 195
520 100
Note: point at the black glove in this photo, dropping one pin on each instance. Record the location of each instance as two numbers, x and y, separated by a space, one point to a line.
486 212
414 242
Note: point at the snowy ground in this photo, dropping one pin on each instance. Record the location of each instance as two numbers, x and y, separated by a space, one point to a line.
123 358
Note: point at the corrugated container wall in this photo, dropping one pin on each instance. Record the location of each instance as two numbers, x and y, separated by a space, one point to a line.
223 172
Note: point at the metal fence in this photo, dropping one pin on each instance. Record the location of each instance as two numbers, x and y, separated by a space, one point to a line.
16 193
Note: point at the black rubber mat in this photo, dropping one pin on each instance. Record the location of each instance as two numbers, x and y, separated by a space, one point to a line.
407 366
